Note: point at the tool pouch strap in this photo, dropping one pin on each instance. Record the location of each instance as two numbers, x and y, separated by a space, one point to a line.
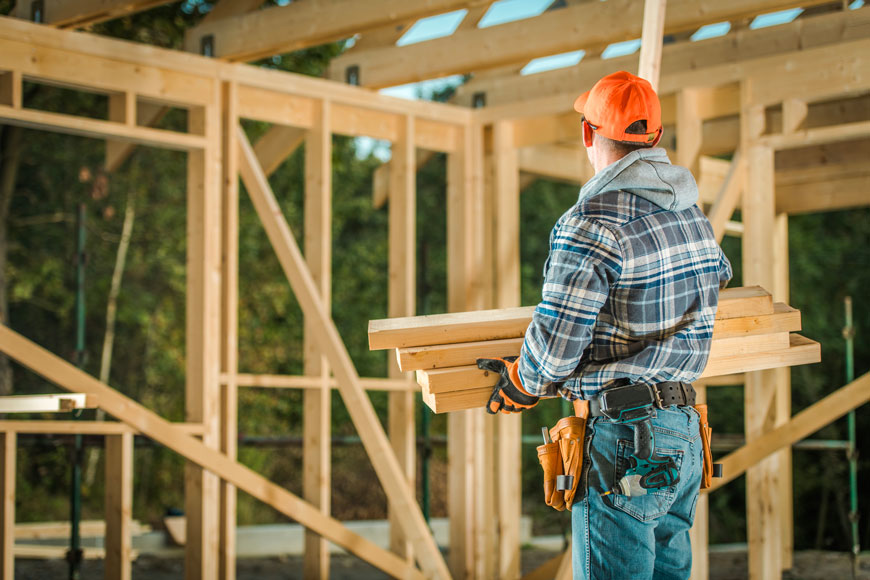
706 436
551 463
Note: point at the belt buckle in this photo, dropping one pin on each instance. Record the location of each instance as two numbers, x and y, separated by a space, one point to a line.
657 396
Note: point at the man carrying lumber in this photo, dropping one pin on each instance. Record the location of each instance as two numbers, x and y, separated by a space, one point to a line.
630 292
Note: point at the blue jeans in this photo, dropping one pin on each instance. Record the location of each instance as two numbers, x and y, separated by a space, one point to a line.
618 537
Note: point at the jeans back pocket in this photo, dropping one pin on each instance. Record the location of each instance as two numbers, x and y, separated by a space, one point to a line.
655 503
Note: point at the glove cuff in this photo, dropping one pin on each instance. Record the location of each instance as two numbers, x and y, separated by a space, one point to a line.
514 374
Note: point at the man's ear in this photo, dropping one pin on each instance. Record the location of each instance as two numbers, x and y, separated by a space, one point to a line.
587 134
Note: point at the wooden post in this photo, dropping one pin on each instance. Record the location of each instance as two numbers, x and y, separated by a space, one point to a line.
780 291
202 395
699 534
10 89
402 302
119 506
464 244
180 439
689 129
506 266
794 113
8 449
229 328
652 34
762 481
318 402
359 406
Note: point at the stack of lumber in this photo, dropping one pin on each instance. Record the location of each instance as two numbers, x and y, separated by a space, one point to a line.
750 333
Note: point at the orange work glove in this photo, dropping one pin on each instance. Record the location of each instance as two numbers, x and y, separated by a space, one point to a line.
508 395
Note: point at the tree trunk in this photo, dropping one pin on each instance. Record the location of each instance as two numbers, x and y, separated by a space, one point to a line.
10 154
111 313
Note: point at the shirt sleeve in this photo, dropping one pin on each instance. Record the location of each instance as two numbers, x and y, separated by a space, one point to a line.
585 261
725 271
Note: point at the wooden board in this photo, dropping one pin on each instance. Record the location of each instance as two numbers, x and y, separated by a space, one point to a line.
441 384
61 530
54 403
784 319
141 419
512 322
359 406
41 552
800 426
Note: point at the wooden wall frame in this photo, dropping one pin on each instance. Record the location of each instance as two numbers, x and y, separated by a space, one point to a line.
747 106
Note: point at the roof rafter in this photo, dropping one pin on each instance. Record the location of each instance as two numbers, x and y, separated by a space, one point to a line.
552 32
678 58
284 29
77 13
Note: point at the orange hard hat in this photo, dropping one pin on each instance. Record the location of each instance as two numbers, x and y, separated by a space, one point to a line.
617 101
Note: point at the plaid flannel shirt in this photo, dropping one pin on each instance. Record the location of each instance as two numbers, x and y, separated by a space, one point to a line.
630 295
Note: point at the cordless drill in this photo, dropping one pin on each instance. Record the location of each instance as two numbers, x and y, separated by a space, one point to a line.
635 405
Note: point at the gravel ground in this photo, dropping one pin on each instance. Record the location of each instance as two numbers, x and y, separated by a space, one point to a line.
724 565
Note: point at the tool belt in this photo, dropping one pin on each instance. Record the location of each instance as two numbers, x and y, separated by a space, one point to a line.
562 457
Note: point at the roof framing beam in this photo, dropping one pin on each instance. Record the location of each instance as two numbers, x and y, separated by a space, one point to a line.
78 13
279 30
683 57
553 32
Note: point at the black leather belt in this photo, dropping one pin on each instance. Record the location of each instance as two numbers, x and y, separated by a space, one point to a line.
674 393
664 395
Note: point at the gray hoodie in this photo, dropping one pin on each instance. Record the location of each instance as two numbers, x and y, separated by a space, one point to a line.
649 174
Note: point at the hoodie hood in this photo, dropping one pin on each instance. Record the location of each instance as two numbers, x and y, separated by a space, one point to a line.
649 174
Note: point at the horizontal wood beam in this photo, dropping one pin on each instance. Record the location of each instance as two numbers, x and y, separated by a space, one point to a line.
106 65
150 424
303 382
556 162
476 385
229 8
78 13
707 63
818 136
837 193
43 552
327 338
61 530
45 403
727 337
459 327
805 423
98 129
84 427
553 32
284 29
727 356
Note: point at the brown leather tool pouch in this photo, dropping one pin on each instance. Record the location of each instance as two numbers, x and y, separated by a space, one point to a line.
569 434
562 459
551 463
706 436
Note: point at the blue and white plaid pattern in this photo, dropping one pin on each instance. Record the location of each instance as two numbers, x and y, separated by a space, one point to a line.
630 295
